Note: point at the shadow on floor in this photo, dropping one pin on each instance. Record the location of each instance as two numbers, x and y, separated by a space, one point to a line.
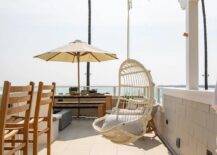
82 128
79 128
81 136
146 143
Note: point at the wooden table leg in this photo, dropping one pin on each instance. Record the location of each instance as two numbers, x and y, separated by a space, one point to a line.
109 103
100 110
104 109
78 114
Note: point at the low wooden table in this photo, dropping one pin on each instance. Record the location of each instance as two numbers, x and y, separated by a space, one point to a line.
101 102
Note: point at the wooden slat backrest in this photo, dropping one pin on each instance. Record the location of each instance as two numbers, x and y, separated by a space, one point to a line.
46 101
18 109
45 96
11 96
16 89
48 87
20 99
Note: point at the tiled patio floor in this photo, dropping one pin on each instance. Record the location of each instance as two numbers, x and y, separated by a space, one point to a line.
80 139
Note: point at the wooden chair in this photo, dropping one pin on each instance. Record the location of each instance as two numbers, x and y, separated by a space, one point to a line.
15 100
45 97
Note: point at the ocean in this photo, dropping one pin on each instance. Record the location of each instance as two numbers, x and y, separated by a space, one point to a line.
113 90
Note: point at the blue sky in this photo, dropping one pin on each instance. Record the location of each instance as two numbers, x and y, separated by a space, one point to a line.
30 27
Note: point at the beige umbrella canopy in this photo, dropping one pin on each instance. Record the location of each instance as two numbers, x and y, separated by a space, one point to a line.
77 51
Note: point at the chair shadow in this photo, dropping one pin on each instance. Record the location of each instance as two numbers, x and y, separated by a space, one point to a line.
82 128
78 129
146 143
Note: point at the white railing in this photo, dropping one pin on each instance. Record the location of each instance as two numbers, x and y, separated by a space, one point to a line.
113 90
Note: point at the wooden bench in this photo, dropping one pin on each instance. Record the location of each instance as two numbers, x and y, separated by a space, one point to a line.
78 102
100 107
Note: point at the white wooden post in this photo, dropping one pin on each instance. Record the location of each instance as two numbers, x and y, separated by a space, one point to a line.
129 7
192 65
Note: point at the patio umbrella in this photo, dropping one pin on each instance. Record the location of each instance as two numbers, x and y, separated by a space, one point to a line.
76 52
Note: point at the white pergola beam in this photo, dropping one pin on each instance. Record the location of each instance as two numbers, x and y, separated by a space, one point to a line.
192 65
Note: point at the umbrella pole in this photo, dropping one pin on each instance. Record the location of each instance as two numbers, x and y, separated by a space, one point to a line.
78 58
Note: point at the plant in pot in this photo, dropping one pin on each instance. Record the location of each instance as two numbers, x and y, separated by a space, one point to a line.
73 90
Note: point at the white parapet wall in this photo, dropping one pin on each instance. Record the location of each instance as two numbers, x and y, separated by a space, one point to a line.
188 116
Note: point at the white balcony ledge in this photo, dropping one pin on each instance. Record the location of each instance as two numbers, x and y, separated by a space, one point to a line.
201 96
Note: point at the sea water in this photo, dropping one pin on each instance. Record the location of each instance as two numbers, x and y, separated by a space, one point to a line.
110 90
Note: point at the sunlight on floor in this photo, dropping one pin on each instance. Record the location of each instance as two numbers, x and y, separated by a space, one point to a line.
80 139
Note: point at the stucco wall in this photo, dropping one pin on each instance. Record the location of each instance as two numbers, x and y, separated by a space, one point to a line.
183 116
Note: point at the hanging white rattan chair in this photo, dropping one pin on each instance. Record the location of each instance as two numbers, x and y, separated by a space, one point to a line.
128 120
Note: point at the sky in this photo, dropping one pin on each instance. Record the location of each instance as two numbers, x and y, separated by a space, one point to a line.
31 27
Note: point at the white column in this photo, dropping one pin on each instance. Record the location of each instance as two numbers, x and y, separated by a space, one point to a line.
129 6
192 65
